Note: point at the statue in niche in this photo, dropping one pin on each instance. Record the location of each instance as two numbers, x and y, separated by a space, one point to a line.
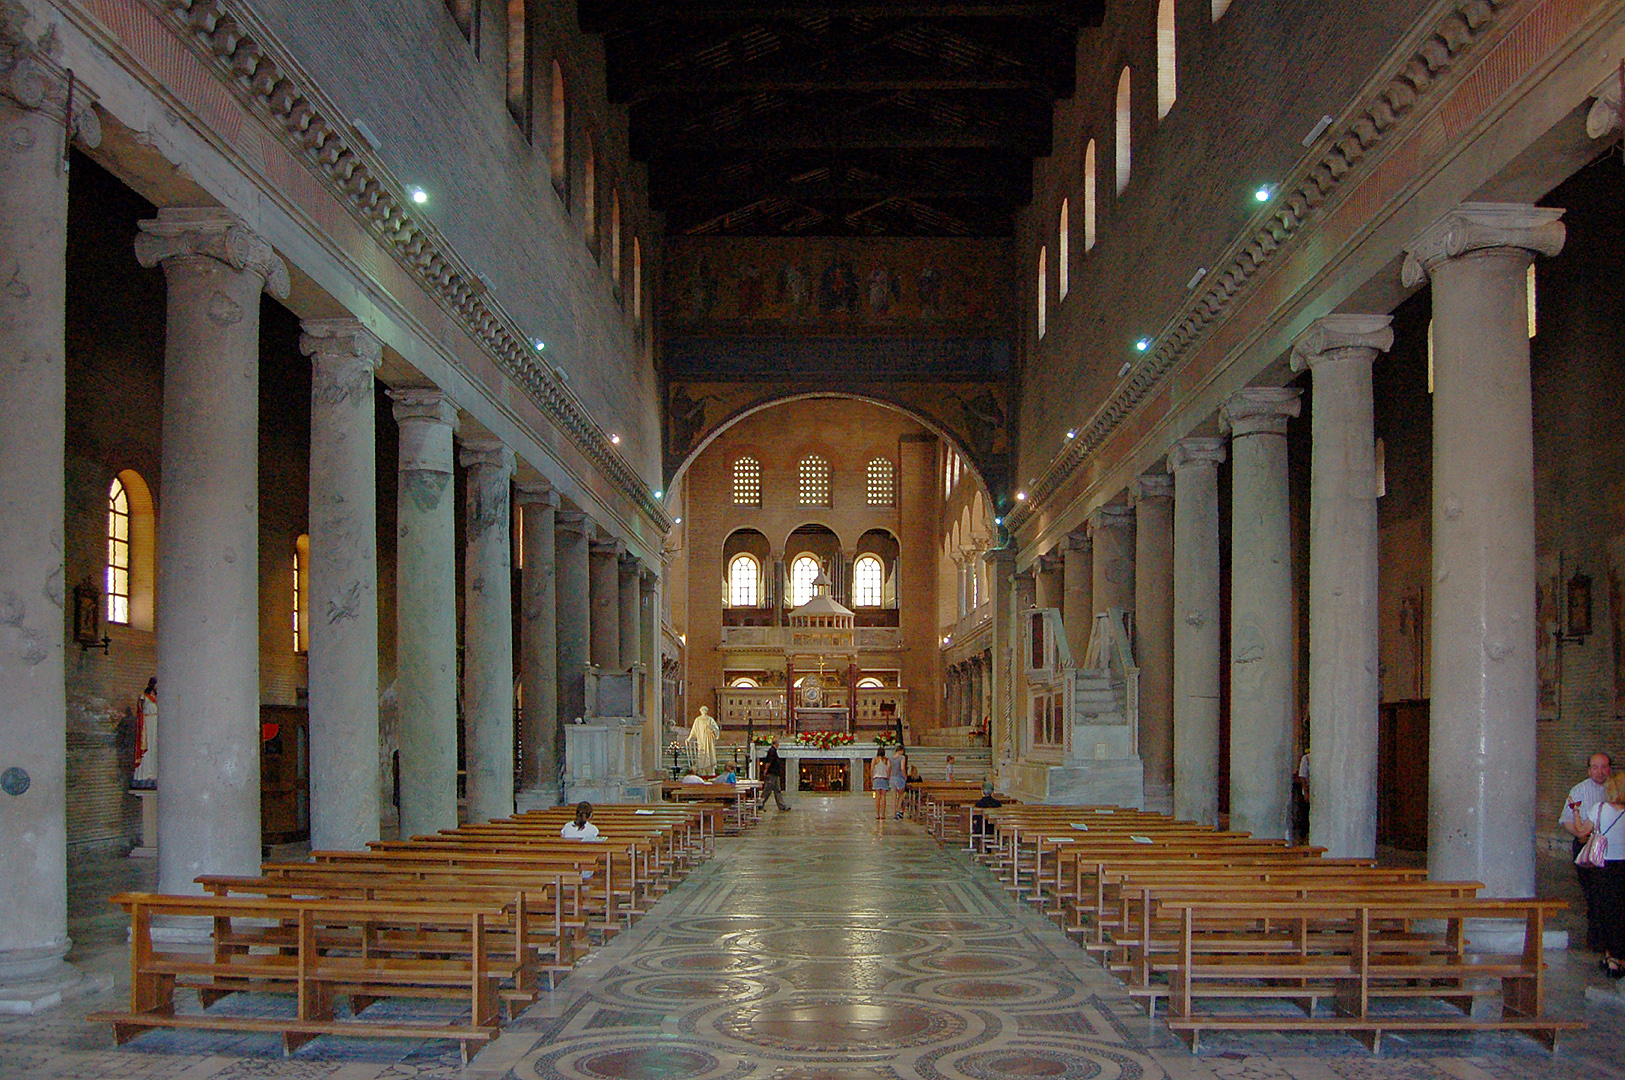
703 735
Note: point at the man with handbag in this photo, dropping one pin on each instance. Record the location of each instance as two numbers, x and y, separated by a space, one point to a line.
1588 792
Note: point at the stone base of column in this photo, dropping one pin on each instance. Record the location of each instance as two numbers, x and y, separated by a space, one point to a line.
33 980
540 797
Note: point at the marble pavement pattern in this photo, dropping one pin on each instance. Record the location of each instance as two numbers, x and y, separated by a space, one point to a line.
821 945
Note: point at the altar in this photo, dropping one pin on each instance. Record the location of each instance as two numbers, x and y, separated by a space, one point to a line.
853 759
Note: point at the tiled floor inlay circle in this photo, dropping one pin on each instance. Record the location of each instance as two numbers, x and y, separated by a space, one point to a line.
647 1063
839 1025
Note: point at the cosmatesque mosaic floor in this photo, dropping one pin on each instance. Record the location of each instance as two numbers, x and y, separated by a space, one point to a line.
821 945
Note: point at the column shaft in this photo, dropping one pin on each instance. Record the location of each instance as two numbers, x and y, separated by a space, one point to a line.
605 591
208 545
1343 684
426 612
1111 535
345 799
1261 641
630 612
573 530
33 749
488 631
1195 465
1001 568
1078 593
541 741
1154 633
1481 811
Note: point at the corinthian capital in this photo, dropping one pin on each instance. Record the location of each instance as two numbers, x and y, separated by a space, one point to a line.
344 355
1343 337
1481 226
31 78
181 232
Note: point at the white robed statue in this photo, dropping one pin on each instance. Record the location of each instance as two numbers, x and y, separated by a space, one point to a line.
704 734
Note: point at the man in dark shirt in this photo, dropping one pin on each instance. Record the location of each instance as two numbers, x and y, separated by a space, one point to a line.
773 774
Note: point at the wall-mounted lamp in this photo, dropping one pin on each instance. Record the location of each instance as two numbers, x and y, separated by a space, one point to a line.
87 619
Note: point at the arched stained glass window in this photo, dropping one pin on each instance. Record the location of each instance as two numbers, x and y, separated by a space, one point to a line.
802 572
117 584
868 581
744 581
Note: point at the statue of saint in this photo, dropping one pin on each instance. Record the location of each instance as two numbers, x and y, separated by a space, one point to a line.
704 734
146 737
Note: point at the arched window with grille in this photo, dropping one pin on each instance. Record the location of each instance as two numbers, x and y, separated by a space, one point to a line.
803 570
301 594
1125 132
747 483
131 536
637 279
1043 290
1089 197
615 236
868 581
744 581
558 143
1167 77
881 482
812 481
1063 252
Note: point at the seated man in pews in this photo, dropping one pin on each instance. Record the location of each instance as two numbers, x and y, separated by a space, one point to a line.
695 778
582 827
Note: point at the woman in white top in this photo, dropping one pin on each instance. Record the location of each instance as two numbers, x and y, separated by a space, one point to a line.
1603 818
581 828
880 780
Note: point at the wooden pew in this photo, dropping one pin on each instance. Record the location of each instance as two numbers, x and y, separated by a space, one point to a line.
1356 959
313 972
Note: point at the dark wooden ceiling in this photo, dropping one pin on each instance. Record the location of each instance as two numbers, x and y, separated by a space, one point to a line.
839 117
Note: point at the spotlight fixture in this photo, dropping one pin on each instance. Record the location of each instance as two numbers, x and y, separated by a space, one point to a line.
1021 496
1143 344
540 344
419 196
1263 193
615 440
659 494
998 521
676 521
1070 435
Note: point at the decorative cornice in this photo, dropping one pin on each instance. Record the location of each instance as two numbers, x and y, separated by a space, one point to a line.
1313 183
31 78
1482 226
1343 337
268 82
1199 452
187 232
1259 410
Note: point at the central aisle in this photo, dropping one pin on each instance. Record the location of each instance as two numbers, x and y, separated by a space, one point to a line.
822 944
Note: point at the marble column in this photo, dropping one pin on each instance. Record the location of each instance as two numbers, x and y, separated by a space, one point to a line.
1048 582
649 653
573 531
1343 687
1078 593
1481 812
541 740
488 630
604 591
1262 645
1111 536
1153 496
780 608
33 748
426 611
1194 464
631 615
208 546
1001 569
345 799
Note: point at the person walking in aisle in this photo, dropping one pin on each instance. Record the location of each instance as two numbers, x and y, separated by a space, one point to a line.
899 782
880 780
773 775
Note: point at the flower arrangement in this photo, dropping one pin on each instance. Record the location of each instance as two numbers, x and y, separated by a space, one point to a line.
761 740
823 740
887 738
